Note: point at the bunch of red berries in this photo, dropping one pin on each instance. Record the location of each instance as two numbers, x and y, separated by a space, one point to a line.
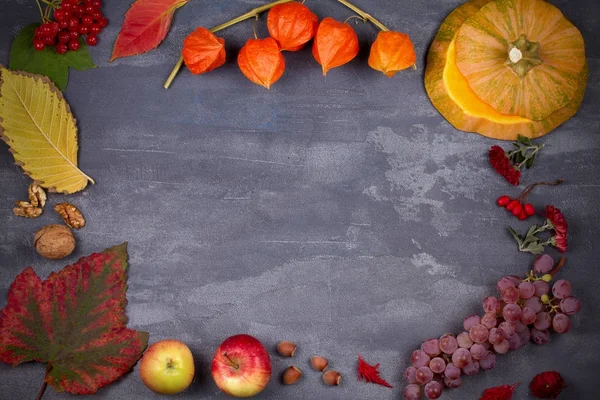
72 19
516 207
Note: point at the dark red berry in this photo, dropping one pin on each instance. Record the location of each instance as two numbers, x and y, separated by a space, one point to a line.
37 33
62 48
59 14
503 201
45 29
38 44
73 23
96 3
517 209
55 27
95 29
512 205
529 209
89 10
64 36
83 29
103 22
74 34
49 40
78 11
97 15
63 23
66 6
522 215
87 20
74 44
91 40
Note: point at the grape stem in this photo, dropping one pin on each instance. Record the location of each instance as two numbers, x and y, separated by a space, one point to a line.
250 14
528 189
561 263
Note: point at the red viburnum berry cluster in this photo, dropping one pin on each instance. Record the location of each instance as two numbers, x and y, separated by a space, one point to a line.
516 207
72 19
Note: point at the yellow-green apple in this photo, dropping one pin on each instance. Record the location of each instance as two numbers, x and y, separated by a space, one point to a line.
241 366
167 367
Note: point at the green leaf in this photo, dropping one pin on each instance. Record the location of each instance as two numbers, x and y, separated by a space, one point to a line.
524 140
23 57
529 162
516 236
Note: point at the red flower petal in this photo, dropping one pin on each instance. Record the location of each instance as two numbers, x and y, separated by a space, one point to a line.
547 385
503 392
501 163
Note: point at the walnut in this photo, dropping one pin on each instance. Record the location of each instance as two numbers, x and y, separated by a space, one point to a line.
71 215
26 209
37 196
54 241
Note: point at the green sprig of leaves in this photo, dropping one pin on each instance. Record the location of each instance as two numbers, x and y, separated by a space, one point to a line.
525 152
23 57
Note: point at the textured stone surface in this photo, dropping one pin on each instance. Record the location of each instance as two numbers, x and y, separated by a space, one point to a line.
342 213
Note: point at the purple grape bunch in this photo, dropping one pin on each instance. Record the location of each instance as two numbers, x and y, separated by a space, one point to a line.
527 310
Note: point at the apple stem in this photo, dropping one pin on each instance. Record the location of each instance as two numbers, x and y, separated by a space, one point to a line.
45 384
233 363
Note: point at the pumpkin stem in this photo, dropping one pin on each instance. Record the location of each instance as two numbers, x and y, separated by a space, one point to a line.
250 14
523 56
364 15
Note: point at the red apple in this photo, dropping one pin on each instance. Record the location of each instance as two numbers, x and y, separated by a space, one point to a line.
167 367
241 366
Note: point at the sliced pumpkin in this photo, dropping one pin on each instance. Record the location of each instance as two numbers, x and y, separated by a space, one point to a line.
454 98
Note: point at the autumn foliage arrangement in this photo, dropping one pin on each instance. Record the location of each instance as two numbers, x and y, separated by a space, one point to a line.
291 25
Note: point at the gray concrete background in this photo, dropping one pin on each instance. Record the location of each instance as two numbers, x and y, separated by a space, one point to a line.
342 213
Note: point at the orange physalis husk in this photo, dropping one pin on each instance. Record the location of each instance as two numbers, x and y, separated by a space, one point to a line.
203 51
292 25
335 44
392 52
261 61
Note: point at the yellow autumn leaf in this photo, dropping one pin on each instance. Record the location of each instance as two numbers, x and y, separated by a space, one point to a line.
36 122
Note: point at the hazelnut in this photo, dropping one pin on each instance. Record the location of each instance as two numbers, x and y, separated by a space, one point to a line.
54 241
319 363
291 375
286 349
332 378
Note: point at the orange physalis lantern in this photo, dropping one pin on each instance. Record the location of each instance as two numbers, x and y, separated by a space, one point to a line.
292 25
260 60
392 52
203 51
335 44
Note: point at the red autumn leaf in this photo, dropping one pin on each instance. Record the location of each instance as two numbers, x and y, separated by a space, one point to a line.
146 25
74 321
370 373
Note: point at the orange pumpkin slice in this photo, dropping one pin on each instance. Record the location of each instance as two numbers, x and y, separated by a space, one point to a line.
450 93
522 57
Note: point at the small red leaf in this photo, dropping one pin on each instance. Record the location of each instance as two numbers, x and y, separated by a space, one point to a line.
370 373
146 25
74 321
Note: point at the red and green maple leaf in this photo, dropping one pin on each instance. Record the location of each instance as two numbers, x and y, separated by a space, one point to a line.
75 322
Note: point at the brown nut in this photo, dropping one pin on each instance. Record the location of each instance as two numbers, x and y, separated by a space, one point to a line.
291 375
319 363
332 378
286 348
26 209
71 215
54 241
37 196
